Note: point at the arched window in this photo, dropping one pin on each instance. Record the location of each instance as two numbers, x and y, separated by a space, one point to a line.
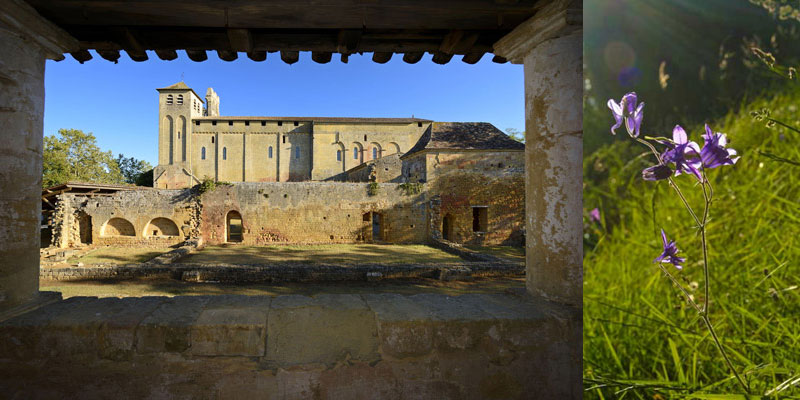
374 153
297 152
338 155
212 139
203 153
355 153
179 134
270 151
224 153
180 99
169 99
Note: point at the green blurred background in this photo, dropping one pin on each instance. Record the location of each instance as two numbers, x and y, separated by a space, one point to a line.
692 62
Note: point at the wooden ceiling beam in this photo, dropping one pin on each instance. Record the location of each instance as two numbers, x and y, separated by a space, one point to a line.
348 40
397 14
473 57
382 57
227 55
197 55
290 57
441 58
166 54
81 56
240 40
131 45
110 55
413 57
321 57
499 60
257 55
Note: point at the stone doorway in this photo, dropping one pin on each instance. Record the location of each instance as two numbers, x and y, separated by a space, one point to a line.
84 228
377 222
447 227
233 227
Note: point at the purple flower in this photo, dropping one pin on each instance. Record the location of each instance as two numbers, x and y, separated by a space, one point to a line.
594 215
627 111
670 253
656 173
714 153
684 153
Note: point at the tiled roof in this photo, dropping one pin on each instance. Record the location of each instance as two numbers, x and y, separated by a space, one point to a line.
464 136
315 119
180 85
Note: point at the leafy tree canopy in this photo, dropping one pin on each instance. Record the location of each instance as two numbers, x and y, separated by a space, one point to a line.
73 155
133 170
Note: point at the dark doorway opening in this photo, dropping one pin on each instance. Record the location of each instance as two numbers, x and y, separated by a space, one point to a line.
480 219
447 227
233 230
84 228
377 221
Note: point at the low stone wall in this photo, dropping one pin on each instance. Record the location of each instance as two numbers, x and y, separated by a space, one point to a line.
282 272
380 346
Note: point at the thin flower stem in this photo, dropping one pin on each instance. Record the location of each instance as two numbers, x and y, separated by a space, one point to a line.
783 124
707 195
724 353
685 292
685 202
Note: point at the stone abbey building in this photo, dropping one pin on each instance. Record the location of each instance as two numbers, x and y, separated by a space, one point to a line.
308 180
195 141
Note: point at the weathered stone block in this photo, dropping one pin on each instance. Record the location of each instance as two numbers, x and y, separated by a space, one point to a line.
168 328
324 329
230 326
405 327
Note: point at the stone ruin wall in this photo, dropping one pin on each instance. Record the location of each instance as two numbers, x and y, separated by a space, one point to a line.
314 212
461 180
127 218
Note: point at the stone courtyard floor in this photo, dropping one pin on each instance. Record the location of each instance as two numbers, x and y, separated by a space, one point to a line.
119 255
326 253
166 287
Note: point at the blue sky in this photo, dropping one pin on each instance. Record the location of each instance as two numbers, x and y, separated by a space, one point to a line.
119 103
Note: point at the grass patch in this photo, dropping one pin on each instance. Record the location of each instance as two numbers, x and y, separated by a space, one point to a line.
120 255
145 287
326 253
510 253
640 338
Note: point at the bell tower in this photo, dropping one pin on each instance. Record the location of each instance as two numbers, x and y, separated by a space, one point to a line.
178 104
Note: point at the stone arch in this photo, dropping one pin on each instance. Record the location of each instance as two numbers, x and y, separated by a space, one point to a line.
234 227
161 227
375 151
118 227
392 148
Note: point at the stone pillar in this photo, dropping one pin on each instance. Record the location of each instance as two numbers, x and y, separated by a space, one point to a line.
550 47
26 41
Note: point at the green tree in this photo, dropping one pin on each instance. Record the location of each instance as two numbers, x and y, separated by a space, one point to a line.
73 155
516 134
133 170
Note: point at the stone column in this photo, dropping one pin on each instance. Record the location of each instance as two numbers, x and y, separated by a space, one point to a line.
550 47
26 41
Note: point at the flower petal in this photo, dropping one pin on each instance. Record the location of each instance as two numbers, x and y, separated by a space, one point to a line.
679 135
